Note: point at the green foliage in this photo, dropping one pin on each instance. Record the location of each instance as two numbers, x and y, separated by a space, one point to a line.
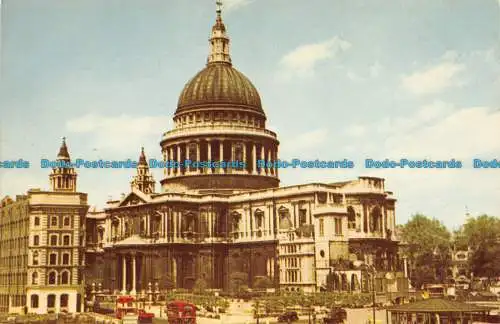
482 235
481 231
485 261
428 247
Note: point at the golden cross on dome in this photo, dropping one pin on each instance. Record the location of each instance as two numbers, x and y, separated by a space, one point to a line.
218 4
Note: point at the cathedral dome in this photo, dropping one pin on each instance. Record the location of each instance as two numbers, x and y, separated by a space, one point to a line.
219 84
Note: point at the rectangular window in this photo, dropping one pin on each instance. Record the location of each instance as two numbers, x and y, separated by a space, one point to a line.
321 227
338 226
66 240
53 259
302 216
53 240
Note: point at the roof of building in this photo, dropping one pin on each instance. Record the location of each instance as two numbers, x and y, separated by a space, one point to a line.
63 151
219 84
436 305
142 158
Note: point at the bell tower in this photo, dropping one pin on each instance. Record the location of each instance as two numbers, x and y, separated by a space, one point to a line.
63 178
143 181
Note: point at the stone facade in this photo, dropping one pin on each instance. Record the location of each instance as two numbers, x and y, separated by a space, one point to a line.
294 235
42 240
230 226
233 225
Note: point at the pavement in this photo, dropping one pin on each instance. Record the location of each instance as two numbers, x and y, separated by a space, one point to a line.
354 316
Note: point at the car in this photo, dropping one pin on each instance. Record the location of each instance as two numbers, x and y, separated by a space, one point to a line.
337 315
288 317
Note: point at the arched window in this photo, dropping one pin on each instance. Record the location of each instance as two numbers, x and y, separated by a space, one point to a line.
36 240
34 278
52 278
64 278
34 301
284 221
35 258
51 301
66 221
351 218
65 259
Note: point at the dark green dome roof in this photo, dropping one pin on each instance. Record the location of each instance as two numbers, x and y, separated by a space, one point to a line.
219 84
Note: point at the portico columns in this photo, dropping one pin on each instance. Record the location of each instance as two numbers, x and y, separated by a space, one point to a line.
263 157
221 154
171 158
254 159
187 170
269 158
198 170
133 291
178 169
209 154
124 275
245 157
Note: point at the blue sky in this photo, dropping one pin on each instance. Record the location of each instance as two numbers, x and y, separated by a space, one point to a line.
338 79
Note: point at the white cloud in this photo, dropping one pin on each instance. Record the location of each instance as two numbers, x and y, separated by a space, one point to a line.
118 133
356 130
353 76
302 60
375 69
466 133
232 5
437 130
434 79
392 126
306 141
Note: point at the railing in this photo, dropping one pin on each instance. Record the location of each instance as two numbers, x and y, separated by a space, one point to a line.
223 129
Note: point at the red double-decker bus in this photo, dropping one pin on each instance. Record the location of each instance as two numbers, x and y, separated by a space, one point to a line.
181 312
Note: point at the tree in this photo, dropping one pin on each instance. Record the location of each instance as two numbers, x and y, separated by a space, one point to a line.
482 236
428 249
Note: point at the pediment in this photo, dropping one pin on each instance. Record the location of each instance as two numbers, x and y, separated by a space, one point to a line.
132 199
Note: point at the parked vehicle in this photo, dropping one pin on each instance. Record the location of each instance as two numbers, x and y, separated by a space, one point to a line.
337 315
288 317
181 312
127 310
